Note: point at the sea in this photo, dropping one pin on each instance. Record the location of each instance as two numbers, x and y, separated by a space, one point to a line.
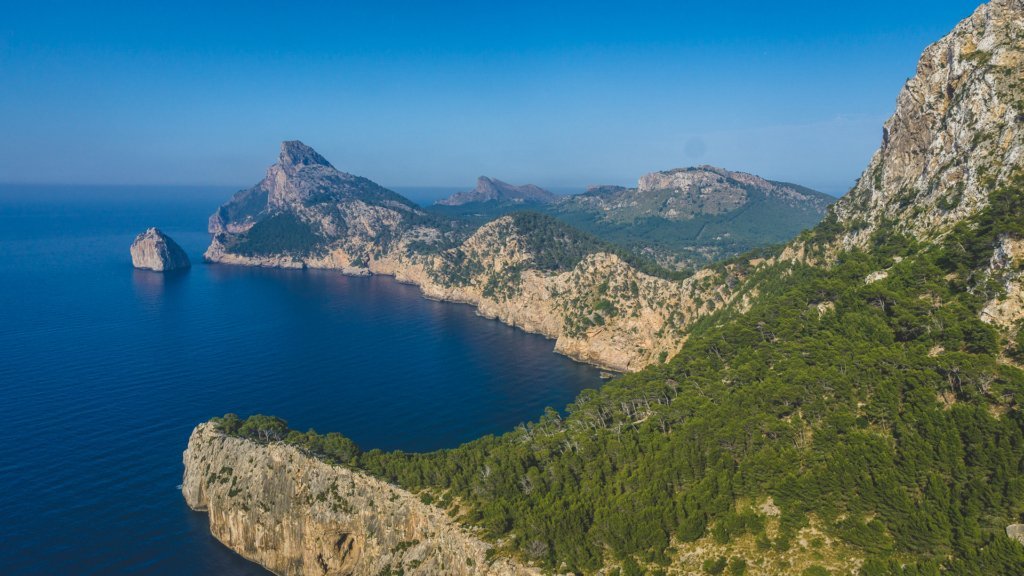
105 370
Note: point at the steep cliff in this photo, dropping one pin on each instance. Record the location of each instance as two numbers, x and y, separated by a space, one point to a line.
529 271
296 515
154 250
955 136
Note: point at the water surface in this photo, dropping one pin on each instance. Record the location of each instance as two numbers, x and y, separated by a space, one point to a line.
104 370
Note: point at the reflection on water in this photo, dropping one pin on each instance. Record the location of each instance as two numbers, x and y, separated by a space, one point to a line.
151 285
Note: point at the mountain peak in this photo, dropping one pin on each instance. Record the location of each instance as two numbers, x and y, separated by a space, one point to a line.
302 181
295 153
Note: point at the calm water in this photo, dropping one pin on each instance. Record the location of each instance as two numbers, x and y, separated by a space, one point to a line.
105 370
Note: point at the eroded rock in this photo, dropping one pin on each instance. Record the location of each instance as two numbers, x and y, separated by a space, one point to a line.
154 250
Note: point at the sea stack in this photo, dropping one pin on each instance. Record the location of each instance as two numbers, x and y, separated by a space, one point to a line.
154 250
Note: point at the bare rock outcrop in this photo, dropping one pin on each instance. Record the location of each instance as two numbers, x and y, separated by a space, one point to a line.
297 515
955 136
1006 309
154 250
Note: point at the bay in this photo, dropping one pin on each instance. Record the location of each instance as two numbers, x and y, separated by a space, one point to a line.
104 370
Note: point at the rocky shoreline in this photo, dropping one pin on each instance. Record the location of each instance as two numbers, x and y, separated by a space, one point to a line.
651 312
297 515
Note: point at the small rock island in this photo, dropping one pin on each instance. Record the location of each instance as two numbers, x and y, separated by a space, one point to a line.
154 250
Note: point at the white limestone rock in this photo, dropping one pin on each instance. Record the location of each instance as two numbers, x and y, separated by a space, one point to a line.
154 250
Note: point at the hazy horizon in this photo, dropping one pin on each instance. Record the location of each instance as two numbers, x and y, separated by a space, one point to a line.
432 96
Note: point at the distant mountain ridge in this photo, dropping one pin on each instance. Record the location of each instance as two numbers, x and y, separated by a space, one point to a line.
687 193
685 217
492 190
694 216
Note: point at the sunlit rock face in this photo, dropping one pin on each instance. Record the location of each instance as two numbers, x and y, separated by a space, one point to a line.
955 136
154 250
297 515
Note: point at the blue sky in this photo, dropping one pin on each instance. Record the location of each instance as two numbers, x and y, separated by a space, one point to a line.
560 94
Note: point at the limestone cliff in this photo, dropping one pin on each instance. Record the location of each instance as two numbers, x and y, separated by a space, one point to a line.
599 310
297 515
1006 308
955 136
154 250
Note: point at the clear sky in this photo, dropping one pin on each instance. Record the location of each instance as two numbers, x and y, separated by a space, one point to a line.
560 94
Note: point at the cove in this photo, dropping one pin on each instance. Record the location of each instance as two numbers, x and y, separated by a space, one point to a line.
105 370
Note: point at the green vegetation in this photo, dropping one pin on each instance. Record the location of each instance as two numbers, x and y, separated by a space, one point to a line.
554 247
763 221
672 243
282 233
558 246
880 413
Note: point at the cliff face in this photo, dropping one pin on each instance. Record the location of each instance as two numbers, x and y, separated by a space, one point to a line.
154 250
955 136
1006 267
297 515
600 310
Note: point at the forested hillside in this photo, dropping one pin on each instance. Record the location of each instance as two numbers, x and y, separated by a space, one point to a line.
853 406
857 427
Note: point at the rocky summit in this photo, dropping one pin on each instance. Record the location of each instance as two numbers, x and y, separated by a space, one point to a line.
154 250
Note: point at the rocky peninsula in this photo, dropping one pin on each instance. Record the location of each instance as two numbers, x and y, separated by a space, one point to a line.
297 515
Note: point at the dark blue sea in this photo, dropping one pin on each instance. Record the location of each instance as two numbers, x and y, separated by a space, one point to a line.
104 370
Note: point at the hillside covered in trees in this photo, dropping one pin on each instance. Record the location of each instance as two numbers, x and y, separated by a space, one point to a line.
853 408
875 417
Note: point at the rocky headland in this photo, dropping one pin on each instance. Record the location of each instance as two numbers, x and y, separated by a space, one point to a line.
530 272
297 515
